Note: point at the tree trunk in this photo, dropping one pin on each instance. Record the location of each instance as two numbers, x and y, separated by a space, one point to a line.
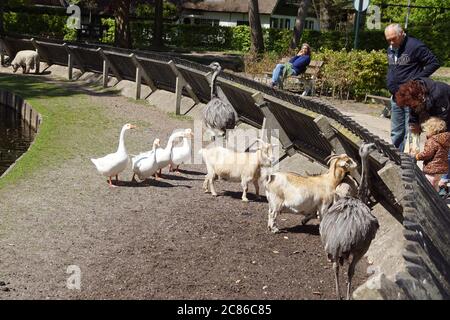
122 30
325 16
300 23
158 26
257 42
1 18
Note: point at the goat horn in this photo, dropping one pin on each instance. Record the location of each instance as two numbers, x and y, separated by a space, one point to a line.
331 158
332 154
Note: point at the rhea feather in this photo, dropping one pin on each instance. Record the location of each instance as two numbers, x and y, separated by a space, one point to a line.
218 115
348 227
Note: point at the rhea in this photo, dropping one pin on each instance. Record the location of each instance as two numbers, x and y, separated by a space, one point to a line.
348 227
219 114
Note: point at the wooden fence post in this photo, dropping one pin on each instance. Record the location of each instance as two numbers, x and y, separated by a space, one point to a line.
141 73
180 84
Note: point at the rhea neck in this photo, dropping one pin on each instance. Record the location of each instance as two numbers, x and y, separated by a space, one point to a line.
363 186
213 82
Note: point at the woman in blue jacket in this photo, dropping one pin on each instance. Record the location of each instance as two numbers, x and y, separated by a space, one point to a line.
296 65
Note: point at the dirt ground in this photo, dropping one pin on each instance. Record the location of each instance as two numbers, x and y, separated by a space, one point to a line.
155 240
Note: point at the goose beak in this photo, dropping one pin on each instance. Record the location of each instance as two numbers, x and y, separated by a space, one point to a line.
133 126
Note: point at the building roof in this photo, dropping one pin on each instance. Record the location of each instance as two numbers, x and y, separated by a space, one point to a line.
240 6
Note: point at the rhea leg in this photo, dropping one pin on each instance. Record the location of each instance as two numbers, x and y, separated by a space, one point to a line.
336 278
351 272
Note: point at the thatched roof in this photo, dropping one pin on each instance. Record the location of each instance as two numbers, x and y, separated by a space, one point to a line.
240 6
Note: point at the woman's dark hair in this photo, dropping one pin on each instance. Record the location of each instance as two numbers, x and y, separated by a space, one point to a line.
411 94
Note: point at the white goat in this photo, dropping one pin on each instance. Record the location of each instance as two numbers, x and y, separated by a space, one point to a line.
27 59
307 195
236 166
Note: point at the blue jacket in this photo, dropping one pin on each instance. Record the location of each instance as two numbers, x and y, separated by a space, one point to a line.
299 63
437 103
414 61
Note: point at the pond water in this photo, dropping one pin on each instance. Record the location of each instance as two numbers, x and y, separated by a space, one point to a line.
15 137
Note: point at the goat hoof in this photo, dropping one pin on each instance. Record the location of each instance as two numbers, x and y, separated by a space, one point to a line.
274 230
214 194
244 199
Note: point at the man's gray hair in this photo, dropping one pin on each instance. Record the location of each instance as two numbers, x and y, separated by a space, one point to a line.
396 27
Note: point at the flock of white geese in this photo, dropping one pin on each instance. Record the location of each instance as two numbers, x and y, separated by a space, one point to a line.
145 164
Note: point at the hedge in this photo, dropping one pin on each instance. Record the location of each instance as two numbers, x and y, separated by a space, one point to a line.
356 71
229 38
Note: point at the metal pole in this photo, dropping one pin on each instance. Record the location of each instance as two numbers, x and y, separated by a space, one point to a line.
358 18
407 14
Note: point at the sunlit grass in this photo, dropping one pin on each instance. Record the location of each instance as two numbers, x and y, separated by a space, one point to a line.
70 125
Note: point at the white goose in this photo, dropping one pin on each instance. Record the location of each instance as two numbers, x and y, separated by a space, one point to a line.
114 163
163 156
144 165
182 153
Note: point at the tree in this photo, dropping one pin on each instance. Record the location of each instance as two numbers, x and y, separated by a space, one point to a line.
325 14
1 18
429 15
158 25
122 30
299 23
3 4
257 42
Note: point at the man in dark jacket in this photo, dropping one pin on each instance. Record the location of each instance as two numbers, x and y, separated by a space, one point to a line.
408 59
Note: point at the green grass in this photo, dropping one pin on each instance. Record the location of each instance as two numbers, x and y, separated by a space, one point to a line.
70 126
442 79
172 115
141 102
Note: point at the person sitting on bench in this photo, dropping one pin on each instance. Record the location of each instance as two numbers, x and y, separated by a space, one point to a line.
296 65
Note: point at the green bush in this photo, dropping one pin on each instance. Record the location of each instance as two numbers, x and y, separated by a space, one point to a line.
357 71
240 38
108 31
228 38
277 40
44 25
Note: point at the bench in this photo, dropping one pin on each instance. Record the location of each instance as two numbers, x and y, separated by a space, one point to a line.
383 100
307 79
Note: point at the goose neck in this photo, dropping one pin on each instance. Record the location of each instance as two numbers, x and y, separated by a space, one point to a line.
121 147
